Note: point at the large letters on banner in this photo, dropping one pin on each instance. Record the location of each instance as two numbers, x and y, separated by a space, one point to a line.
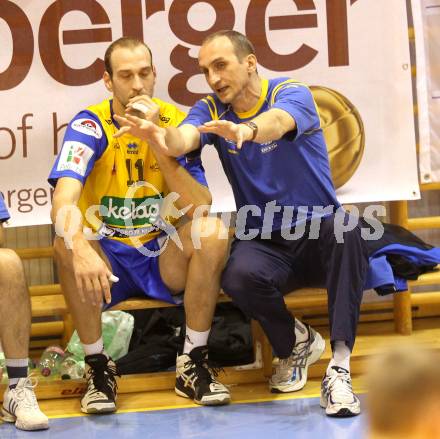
51 64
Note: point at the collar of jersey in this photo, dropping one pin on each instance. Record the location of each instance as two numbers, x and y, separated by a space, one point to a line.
254 110
115 123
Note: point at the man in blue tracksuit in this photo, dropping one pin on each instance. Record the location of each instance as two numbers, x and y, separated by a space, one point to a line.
268 137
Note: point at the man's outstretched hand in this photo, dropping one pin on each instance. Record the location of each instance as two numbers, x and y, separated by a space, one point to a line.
144 129
238 133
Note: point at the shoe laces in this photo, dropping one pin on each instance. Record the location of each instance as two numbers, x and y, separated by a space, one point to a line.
103 378
297 359
340 383
24 393
205 370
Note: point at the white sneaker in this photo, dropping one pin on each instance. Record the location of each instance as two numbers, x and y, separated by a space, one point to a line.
20 406
197 380
337 395
291 373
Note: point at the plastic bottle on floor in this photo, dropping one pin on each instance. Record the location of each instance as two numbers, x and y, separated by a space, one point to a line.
71 368
51 360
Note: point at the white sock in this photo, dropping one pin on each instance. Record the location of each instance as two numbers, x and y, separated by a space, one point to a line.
301 332
17 362
17 368
94 348
194 339
341 356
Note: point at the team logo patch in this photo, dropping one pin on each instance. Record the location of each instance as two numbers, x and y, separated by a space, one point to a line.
75 157
155 167
132 148
268 147
87 126
132 212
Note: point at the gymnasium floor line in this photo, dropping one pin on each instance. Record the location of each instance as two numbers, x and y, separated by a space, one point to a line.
167 400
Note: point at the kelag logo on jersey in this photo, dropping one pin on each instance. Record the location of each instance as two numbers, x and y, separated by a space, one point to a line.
142 211
87 126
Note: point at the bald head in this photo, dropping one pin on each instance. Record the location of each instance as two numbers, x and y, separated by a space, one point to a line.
123 43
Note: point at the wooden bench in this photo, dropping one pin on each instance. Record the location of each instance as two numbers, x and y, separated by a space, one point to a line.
309 304
48 301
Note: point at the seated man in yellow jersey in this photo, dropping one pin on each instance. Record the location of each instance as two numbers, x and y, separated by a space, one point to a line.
124 183
20 405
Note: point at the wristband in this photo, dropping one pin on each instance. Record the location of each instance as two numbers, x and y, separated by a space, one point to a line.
253 126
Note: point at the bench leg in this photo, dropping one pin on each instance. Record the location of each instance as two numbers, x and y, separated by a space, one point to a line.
402 313
266 348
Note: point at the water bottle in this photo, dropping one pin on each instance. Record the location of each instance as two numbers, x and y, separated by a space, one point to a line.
71 368
51 360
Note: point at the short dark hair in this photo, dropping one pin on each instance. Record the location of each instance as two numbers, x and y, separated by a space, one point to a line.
242 46
127 42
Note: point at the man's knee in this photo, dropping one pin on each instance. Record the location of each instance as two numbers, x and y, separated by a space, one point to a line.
209 235
241 278
247 286
12 277
10 263
234 284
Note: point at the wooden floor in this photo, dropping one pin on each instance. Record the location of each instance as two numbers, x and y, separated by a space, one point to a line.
166 399
372 339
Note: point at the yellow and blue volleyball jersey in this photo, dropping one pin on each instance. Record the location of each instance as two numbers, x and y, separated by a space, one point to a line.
123 186
4 214
292 171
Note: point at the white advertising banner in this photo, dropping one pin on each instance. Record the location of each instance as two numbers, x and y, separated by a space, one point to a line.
426 16
354 52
